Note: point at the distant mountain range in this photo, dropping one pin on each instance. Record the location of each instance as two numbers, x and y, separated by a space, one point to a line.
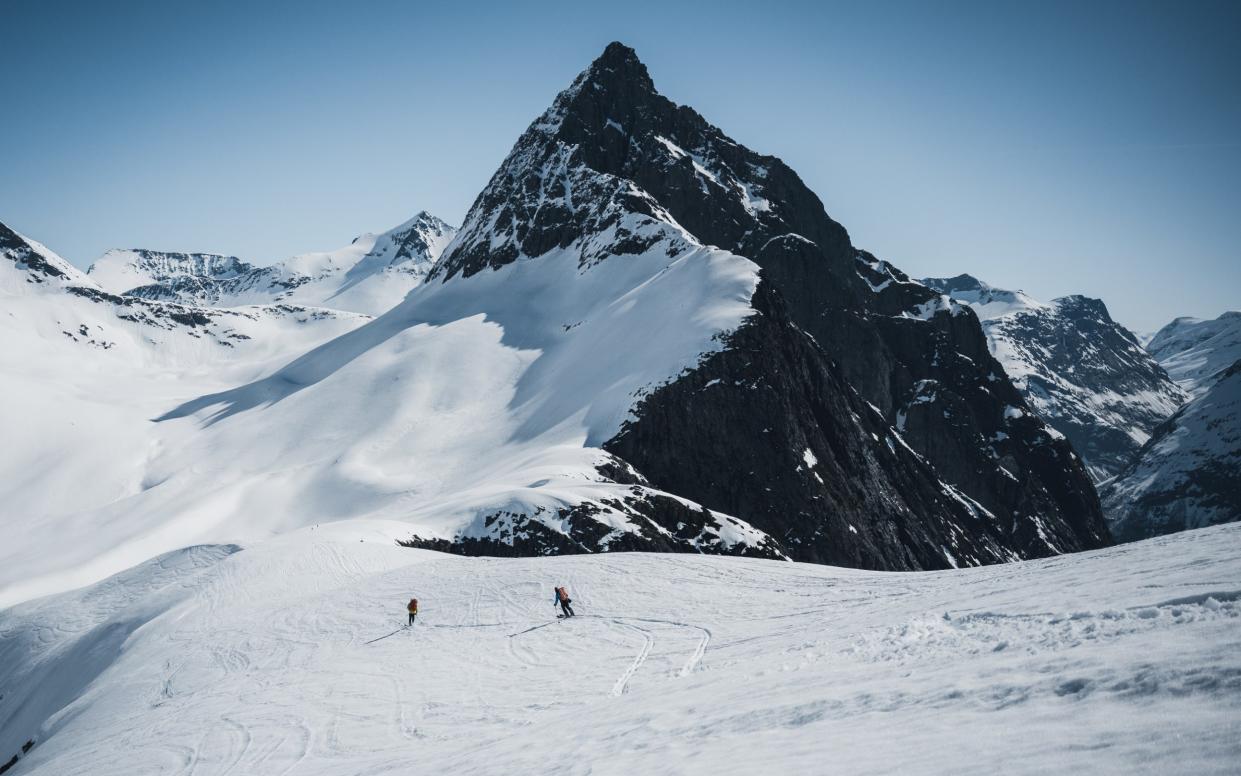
644 336
368 276
1159 426
1194 352
1081 371
1189 474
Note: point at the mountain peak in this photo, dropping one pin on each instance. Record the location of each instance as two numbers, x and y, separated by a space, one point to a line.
612 86
619 64
962 282
35 261
1080 304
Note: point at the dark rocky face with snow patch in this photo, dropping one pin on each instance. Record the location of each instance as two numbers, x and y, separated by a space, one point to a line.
614 168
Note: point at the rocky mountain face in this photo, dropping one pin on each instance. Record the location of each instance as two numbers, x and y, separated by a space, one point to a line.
369 276
1079 370
1189 474
857 417
1195 351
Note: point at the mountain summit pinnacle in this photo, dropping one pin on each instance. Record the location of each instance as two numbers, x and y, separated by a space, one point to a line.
619 64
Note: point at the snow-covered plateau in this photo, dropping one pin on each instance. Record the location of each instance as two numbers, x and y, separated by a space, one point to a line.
289 657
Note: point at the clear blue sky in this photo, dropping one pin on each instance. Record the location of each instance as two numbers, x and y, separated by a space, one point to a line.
1081 147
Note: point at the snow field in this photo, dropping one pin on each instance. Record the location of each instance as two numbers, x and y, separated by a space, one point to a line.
477 395
214 661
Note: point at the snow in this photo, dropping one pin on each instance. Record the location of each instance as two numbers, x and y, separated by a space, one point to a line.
1194 350
468 398
288 656
808 456
1185 476
369 276
928 309
1081 372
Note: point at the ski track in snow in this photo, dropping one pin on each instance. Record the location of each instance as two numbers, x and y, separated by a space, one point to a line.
274 660
647 642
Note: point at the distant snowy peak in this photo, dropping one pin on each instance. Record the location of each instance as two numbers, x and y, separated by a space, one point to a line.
988 301
33 263
415 244
368 276
1084 373
1193 351
121 270
53 306
1189 474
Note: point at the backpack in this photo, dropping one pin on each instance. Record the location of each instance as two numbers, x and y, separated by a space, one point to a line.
413 605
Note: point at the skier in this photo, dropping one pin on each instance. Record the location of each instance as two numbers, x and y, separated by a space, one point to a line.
412 608
562 598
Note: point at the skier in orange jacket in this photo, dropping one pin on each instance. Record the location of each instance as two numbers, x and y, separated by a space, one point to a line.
562 598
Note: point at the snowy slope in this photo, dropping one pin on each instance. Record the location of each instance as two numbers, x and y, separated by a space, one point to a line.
574 327
473 408
287 657
1194 351
1189 474
1081 371
82 374
368 276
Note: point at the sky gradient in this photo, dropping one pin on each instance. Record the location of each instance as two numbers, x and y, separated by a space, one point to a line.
1059 148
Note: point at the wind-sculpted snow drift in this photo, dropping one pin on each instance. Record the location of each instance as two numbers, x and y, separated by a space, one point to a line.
644 336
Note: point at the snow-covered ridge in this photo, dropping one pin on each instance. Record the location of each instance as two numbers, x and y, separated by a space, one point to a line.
1189 474
473 410
988 301
1080 370
121 270
82 373
368 276
29 263
1195 351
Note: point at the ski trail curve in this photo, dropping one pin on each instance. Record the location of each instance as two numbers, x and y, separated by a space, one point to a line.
648 642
